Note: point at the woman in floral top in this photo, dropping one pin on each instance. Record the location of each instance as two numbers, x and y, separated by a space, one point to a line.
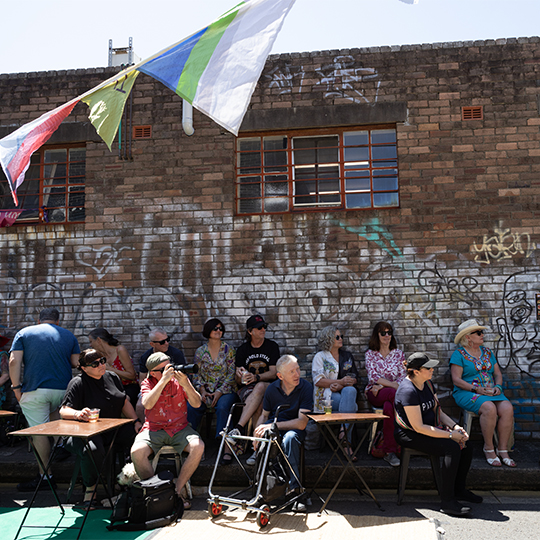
215 379
385 370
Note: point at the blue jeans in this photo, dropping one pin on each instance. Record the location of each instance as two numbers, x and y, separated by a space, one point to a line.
223 407
290 442
345 402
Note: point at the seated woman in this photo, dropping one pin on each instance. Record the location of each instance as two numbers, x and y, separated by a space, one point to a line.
477 382
335 375
385 370
118 361
214 380
422 425
96 388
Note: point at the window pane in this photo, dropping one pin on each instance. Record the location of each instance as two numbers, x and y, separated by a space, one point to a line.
354 138
249 179
245 145
357 184
381 136
275 143
56 215
77 170
383 152
379 164
250 206
76 214
77 154
272 188
249 190
249 163
357 154
305 201
385 200
326 186
55 156
358 200
278 204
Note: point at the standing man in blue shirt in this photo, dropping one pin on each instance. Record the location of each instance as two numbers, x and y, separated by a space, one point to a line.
48 354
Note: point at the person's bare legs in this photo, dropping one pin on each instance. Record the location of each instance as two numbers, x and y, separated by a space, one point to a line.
140 452
505 412
253 404
488 421
195 450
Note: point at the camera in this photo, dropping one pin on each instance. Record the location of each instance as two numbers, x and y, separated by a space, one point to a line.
188 369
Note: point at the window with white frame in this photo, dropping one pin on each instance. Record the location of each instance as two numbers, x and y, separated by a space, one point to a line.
331 169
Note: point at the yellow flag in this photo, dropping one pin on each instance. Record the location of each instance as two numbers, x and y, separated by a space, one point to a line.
107 105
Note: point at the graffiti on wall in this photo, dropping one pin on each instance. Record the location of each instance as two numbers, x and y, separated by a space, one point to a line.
102 260
503 244
341 78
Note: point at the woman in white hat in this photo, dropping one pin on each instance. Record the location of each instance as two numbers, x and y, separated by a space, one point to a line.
477 382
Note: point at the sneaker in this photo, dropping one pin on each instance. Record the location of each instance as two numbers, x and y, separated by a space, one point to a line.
299 506
235 433
392 459
454 508
252 459
31 485
469 496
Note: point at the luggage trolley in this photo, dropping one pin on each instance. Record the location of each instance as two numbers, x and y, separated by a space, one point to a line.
269 482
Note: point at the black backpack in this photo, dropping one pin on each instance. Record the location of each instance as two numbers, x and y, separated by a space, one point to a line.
147 504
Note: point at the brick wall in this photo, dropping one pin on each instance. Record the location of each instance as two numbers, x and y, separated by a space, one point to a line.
162 245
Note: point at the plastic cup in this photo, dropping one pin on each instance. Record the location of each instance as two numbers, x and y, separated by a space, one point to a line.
327 406
94 415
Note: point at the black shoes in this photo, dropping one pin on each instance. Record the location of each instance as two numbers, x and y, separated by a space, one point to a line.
469 496
31 485
454 508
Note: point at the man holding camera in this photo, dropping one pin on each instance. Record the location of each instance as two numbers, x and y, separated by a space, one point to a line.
165 395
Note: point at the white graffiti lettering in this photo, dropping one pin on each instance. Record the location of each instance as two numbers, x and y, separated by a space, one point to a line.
504 244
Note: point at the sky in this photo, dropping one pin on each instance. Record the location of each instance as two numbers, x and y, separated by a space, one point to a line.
45 35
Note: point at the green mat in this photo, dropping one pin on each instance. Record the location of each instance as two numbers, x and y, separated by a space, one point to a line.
48 523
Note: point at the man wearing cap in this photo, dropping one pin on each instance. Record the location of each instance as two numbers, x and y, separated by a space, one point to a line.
256 362
165 395
48 354
160 342
422 425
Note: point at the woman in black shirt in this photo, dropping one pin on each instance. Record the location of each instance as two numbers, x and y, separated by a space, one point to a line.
422 425
96 388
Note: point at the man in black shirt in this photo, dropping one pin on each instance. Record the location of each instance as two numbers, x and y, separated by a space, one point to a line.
256 362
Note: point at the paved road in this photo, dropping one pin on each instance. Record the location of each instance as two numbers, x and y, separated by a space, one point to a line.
504 515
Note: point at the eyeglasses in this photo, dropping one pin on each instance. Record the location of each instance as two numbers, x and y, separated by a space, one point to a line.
97 363
339 337
163 341
478 332
218 329
386 333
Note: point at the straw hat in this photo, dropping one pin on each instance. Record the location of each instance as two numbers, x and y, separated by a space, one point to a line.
467 327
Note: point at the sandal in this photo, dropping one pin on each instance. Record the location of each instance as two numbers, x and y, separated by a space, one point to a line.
508 461
348 448
494 462
226 459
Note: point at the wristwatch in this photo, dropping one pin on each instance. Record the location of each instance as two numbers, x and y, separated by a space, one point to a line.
16 387
258 377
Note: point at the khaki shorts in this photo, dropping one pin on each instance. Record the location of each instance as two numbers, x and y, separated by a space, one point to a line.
38 405
157 439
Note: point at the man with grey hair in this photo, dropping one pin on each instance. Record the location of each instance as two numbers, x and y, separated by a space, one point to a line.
48 353
289 389
160 342
165 395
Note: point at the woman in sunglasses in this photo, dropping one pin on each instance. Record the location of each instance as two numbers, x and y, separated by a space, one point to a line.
118 360
335 376
385 370
96 388
215 379
477 382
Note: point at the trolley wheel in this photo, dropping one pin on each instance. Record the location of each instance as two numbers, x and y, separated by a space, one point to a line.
215 509
263 517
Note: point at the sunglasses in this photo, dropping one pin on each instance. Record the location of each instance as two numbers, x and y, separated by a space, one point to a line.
386 333
163 341
97 363
478 332
218 329
339 337
161 370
